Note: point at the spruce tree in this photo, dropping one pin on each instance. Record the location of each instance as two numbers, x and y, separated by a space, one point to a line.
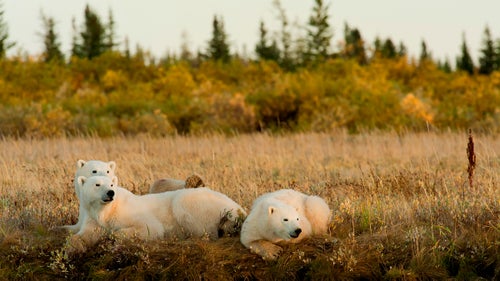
186 54
319 32
354 45
286 59
464 61
4 34
497 55
402 50
218 48
92 40
444 66
424 53
75 49
264 49
487 58
52 46
377 48
388 49
110 36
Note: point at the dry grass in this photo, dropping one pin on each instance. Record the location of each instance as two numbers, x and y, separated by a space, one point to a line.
401 206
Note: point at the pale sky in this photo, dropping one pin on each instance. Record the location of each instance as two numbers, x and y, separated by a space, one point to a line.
157 25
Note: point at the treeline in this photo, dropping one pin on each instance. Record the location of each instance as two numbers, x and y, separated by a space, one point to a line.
294 83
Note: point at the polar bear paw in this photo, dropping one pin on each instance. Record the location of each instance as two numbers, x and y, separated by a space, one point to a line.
267 250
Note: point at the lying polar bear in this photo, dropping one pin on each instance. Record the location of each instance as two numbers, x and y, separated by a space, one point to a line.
181 213
283 216
169 184
88 169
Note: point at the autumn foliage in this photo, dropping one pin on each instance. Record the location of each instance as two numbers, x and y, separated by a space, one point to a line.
115 94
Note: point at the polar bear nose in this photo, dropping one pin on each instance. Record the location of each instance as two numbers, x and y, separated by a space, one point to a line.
296 233
110 193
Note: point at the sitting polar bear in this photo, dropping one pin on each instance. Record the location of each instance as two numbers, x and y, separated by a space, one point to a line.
168 184
88 169
181 213
283 216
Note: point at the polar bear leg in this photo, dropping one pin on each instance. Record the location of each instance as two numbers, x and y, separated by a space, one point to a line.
318 214
88 235
265 249
82 217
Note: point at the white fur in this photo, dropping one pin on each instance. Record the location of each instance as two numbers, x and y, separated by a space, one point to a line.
89 169
181 213
277 217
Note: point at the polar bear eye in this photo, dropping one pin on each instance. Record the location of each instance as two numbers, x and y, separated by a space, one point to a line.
107 172
297 218
94 172
285 219
112 185
97 184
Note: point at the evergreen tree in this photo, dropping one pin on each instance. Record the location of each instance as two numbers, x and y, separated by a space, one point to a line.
52 46
377 48
92 41
4 35
444 66
126 52
388 49
110 36
218 48
424 54
319 33
75 50
464 61
354 45
263 49
286 60
402 50
497 55
487 63
186 54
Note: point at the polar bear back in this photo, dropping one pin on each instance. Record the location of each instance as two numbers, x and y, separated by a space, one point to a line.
287 196
200 210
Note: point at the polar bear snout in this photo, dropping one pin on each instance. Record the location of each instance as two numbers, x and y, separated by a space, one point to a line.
296 233
108 197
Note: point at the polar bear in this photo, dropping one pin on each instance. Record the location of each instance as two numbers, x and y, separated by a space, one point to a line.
169 184
181 213
283 216
88 169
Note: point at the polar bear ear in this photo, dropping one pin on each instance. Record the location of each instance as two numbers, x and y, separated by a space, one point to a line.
114 180
81 180
271 210
112 165
80 163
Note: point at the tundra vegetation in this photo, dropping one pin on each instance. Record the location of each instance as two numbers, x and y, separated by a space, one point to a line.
403 205
380 135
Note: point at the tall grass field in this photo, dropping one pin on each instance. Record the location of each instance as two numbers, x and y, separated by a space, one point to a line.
403 207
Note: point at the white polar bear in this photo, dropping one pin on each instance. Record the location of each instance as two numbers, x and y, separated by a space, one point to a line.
181 213
283 216
88 169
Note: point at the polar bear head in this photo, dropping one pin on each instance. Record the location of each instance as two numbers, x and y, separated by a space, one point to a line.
284 221
97 191
93 168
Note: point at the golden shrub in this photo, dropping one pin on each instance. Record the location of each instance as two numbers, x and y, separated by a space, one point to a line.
113 80
415 108
52 123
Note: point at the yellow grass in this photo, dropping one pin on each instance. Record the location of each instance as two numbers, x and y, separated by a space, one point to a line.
411 189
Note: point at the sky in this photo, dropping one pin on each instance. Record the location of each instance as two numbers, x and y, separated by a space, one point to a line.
158 25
